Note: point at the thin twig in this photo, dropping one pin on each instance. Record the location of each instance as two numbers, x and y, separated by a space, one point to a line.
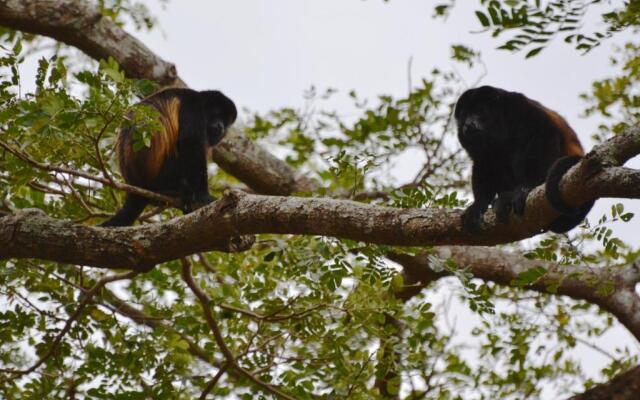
217 334
214 381
122 186
78 196
96 144
76 314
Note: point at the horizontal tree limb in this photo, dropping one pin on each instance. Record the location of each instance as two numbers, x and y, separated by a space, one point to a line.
502 267
82 25
220 226
625 386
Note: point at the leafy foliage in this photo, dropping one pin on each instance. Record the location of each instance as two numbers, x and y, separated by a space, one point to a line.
536 23
616 99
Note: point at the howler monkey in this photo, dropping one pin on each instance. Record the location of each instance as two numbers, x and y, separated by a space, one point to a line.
515 144
176 162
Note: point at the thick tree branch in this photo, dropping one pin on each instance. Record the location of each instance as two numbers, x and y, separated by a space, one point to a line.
580 283
499 266
257 168
625 386
30 233
82 25
598 170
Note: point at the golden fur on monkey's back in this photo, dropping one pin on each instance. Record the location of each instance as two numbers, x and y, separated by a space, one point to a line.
145 164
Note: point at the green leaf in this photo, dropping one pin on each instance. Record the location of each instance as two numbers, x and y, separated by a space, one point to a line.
529 276
533 52
17 48
483 19
393 385
270 256
495 16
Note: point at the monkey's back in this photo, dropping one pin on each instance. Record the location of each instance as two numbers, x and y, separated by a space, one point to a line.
144 167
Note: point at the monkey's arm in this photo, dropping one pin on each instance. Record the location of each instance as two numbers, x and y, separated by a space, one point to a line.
529 166
192 161
132 208
521 172
483 186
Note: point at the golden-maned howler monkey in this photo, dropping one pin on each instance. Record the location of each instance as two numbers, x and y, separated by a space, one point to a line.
176 162
515 144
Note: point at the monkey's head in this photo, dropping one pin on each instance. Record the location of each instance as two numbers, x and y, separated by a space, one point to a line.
477 114
221 114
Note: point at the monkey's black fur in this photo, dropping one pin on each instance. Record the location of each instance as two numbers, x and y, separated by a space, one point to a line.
515 144
176 162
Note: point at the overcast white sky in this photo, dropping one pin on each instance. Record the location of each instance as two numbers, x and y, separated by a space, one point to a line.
264 54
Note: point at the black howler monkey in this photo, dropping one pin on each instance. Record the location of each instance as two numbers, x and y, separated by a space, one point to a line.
515 144
176 162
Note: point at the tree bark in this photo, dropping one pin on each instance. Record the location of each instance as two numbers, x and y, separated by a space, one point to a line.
30 233
625 386
83 26
495 265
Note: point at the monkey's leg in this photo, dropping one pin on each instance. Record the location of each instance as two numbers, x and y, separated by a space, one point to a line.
483 186
192 157
520 200
131 209
527 171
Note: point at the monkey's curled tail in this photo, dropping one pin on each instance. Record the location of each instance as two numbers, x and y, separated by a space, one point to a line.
571 216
